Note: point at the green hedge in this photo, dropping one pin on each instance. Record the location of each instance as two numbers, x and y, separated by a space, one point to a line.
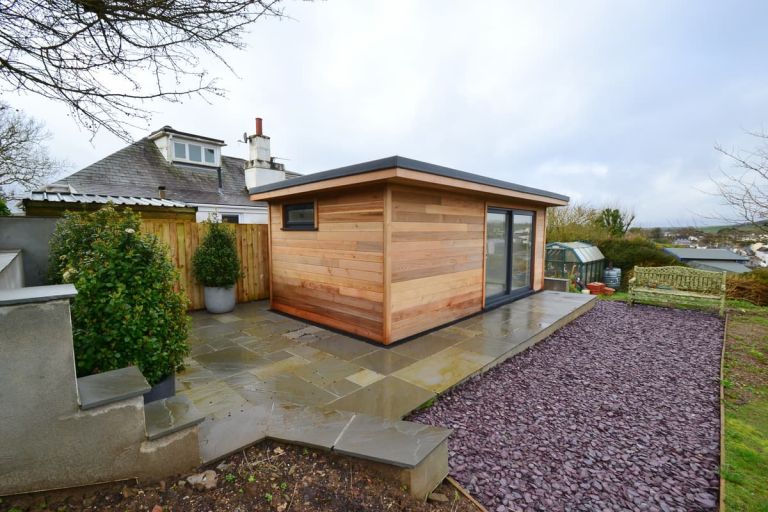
126 311
628 253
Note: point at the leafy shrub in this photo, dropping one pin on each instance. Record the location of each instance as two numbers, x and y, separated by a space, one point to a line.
626 254
575 222
752 286
4 210
126 311
76 233
215 262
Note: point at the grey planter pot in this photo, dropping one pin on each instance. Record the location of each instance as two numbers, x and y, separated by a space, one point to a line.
166 388
219 300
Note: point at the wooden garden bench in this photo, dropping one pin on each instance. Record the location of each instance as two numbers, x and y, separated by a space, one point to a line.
680 284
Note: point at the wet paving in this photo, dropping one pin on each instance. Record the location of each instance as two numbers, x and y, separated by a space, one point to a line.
255 367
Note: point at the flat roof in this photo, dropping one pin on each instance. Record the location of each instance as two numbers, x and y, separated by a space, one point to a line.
403 163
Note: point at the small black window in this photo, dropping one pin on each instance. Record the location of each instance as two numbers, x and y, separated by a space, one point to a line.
299 216
230 219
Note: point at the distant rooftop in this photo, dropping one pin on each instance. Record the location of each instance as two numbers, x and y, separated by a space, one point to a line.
704 254
719 266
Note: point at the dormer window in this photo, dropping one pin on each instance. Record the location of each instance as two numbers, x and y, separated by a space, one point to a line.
195 153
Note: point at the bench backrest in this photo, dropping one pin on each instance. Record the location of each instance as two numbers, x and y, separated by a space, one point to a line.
680 278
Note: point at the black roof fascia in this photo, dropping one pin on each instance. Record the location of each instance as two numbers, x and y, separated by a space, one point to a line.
404 163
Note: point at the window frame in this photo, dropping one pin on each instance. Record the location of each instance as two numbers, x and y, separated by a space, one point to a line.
303 226
203 148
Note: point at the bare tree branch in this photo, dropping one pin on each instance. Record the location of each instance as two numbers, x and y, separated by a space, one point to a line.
24 161
106 59
745 188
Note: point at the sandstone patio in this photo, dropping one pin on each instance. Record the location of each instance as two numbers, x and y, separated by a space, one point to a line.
256 374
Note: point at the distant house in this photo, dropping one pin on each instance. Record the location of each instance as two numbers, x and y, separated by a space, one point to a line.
711 259
170 173
761 255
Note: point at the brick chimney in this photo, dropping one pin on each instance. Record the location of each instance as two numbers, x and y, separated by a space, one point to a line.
261 169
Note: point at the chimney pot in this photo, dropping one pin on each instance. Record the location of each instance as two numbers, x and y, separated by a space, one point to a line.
259 128
161 192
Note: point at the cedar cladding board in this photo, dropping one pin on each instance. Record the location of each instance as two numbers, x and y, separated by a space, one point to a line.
437 258
397 251
333 276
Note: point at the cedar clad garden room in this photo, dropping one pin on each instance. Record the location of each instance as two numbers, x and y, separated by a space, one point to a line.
391 248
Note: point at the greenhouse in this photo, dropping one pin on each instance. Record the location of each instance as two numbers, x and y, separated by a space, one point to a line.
574 259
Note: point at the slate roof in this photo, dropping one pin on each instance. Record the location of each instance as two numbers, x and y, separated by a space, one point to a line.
138 169
705 254
404 163
719 266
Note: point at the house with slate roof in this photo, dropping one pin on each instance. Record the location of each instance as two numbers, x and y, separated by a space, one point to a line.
711 259
170 173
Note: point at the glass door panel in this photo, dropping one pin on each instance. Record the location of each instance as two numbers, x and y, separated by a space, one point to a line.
508 253
522 242
497 251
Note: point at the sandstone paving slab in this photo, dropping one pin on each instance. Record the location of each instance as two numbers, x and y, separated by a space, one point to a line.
365 377
443 370
384 361
344 347
231 360
390 398
194 374
268 345
330 374
227 318
309 426
241 427
283 387
215 398
423 346
164 417
109 387
400 443
485 346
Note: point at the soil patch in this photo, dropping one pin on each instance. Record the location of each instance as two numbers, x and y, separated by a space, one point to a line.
266 477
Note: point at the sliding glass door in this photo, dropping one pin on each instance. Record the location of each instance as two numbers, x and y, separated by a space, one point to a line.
508 253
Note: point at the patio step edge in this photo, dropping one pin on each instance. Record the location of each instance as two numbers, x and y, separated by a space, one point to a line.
170 415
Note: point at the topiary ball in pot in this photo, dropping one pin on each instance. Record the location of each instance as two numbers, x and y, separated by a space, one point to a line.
216 266
126 312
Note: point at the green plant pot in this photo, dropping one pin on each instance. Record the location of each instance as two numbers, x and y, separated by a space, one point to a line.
218 299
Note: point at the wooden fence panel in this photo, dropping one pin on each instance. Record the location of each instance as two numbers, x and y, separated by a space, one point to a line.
183 238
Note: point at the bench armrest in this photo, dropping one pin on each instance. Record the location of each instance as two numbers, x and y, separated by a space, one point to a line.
632 280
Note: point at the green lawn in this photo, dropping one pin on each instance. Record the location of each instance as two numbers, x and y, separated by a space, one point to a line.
732 305
746 412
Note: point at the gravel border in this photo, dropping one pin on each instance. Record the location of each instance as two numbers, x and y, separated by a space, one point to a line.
618 410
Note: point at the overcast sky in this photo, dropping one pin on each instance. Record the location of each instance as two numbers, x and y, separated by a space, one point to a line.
607 102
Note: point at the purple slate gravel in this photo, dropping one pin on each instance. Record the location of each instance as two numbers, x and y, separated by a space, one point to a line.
618 410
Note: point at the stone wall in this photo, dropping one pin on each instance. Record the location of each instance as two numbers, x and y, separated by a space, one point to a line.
11 271
47 440
30 235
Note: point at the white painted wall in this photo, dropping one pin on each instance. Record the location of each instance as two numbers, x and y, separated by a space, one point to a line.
253 215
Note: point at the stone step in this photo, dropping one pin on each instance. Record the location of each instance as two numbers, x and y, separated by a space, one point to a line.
164 417
109 387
